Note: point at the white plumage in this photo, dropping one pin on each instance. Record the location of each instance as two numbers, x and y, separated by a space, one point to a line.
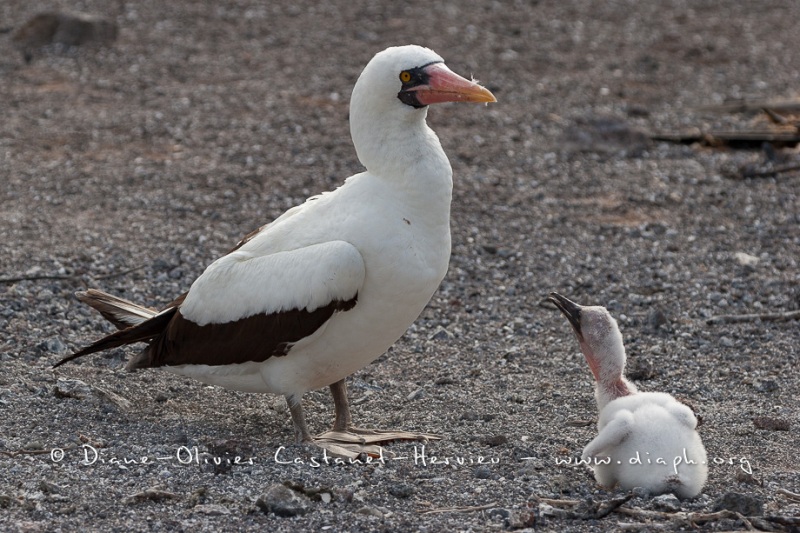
328 286
645 439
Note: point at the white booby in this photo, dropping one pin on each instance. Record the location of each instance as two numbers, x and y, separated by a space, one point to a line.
646 439
326 288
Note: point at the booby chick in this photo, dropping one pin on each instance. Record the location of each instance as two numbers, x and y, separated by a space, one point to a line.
326 288
646 439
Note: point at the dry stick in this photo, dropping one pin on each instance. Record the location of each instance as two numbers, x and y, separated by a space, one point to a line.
118 274
681 515
461 509
34 452
34 278
764 317
775 117
768 173
557 503
789 494
745 521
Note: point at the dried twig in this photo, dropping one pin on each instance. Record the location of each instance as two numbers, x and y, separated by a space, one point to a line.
118 274
789 494
468 509
557 503
153 494
716 138
768 173
745 521
695 518
764 317
34 452
776 118
34 278
755 105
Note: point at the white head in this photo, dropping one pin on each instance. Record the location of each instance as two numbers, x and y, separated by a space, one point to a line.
389 102
601 343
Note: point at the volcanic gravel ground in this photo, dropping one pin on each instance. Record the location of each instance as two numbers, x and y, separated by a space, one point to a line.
129 168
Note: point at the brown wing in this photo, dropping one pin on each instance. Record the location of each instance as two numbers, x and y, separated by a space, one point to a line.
174 340
255 338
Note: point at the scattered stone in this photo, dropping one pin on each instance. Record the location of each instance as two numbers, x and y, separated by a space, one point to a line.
495 440
498 513
153 494
401 490
656 318
282 501
50 488
72 388
441 334
416 395
62 29
746 260
641 493
53 345
765 385
5 501
770 423
33 445
667 502
641 369
113 398
368 510
482 472
211 509
746 504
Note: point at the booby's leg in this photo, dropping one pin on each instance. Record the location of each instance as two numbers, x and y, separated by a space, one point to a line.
301 433
357 440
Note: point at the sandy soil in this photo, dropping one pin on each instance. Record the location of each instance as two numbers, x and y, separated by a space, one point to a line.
132 167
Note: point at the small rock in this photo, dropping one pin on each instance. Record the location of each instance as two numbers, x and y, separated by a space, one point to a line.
401 490
72 388
495 440
370 511
740 503
416 395
498 513
765 385
746 260
282 501
641 369
656 318
770 423
726 342
667 502
641 493
211 509
482 472
54 345
441 334
50 488
33 445
62 29
154 494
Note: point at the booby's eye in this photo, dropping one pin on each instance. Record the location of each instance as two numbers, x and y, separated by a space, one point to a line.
405 76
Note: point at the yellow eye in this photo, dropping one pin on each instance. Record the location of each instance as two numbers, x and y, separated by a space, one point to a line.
405 76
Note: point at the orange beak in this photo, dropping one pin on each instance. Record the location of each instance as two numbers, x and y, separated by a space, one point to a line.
444 85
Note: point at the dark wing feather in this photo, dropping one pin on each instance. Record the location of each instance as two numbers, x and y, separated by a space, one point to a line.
255 338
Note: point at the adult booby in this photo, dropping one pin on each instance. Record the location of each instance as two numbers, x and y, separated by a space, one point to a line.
326 288
646 439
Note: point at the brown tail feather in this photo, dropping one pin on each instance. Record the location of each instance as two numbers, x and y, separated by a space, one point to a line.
120 312
147 330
